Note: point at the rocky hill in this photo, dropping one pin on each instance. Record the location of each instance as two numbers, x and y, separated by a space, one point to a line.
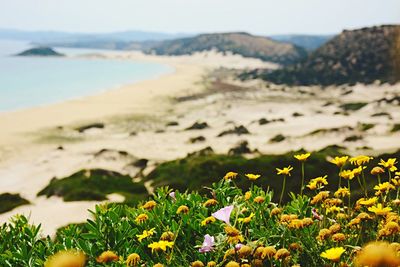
41 52
364 55
238 43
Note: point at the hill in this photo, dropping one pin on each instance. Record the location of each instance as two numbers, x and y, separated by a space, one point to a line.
238 43
308 42
364 55
41 52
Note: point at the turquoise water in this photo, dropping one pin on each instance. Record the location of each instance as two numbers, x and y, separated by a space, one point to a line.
35 81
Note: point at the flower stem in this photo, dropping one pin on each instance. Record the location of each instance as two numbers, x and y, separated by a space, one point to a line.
302 178
348 185
283 189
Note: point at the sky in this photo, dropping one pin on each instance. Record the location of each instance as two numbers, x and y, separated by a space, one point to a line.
194 16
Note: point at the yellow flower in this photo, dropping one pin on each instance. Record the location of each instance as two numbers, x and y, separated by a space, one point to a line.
333 254
247 195
197 264
234 235
377 170
149 205
207 220
347 174
246 219
360 160
357 171
320 197
161 245
210 202
389 164
230 175
339 161
342 192
282 253
284 171
338 237
332 209
376 254
252 177
259 199
133 260
318 182
107 256
182 209
302 157
145 234
232 264
368 202
141 218
66 258
167 236
379 209
312 185
384 187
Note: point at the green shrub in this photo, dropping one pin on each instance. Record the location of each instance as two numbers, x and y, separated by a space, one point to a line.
11 201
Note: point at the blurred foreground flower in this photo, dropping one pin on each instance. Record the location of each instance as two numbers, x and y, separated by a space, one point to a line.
377 254
67 258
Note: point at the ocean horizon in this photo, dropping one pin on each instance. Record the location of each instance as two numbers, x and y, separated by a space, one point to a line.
27 82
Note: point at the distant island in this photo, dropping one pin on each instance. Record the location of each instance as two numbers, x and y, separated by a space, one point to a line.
41 52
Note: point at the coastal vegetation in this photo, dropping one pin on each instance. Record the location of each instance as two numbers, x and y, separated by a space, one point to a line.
236 221
95 184
10 201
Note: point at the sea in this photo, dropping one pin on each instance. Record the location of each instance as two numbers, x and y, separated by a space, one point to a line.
36 81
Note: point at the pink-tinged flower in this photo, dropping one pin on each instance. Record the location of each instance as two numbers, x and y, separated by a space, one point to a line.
316 215
172 195
238 246
223 214
208 244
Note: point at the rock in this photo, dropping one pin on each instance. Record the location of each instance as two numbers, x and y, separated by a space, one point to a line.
172 123
198 126
140 163
277 138
97 125
297 114
241 148
112 155
197 139
238 130
264 121
353 138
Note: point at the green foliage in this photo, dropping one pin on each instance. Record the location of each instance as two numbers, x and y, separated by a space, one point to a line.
95 184
11 201
198 171
353 106
395 128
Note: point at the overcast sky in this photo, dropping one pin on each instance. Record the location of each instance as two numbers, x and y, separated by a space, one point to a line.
194 16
